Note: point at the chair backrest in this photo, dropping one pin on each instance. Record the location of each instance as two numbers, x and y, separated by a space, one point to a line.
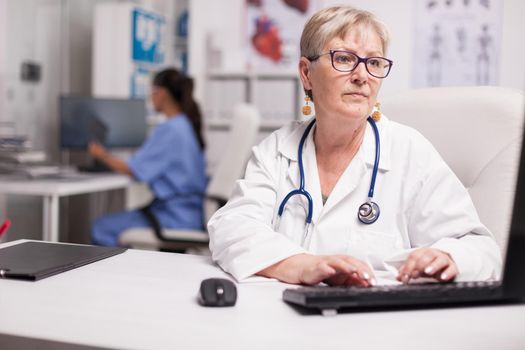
477 131
235 154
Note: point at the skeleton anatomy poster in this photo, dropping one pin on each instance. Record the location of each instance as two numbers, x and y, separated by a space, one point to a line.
457 42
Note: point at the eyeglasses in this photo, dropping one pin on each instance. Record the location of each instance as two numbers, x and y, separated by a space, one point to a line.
346 61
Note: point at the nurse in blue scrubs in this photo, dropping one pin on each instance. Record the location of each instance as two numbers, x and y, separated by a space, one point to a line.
171 162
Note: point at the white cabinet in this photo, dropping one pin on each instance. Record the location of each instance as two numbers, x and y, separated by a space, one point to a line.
277 96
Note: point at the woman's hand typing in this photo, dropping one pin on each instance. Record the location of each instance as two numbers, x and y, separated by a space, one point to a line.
428 262
336 270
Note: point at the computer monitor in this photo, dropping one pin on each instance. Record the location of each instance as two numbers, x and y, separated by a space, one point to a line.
115 123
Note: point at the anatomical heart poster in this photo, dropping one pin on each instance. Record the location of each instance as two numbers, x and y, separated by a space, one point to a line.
274 32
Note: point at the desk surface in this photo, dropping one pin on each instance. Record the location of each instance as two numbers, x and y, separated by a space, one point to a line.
76 184
147 300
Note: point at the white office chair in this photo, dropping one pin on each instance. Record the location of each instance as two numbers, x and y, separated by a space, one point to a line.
477 130
243 134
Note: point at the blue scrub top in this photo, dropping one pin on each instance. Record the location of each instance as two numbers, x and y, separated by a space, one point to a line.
172 163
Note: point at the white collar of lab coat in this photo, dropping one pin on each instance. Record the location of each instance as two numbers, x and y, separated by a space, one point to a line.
290 145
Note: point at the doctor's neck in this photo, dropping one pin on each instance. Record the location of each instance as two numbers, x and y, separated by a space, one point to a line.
333 137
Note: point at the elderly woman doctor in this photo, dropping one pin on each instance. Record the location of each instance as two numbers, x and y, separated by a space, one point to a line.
343 198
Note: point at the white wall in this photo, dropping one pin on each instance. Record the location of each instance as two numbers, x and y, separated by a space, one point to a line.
398 16
223 21
512 58
57 35
3 55
3 58
33 33
220 20
225 17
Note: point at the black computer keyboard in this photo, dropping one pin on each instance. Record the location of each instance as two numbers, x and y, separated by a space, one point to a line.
325 297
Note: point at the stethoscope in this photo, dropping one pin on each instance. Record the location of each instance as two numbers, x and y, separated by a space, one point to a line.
368 212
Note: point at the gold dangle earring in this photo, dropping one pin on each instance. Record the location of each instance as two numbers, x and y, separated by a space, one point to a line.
307 110
377 113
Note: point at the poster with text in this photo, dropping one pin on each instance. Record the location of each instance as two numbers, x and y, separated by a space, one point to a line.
457 42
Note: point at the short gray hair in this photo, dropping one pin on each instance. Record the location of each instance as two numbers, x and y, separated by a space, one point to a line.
335 21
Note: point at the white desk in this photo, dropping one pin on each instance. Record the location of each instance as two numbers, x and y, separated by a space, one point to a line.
147 300
52 189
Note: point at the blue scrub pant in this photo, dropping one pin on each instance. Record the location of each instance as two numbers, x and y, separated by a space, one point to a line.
107 229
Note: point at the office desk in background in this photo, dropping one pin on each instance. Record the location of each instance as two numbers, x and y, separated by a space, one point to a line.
52 189
147 300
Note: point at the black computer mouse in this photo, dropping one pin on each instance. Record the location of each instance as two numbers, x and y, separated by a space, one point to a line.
217 292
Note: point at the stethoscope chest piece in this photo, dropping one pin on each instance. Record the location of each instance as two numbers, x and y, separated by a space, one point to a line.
368 212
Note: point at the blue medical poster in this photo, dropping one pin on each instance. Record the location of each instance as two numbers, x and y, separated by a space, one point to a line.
147 35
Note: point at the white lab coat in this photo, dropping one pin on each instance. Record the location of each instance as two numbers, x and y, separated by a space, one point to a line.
422 204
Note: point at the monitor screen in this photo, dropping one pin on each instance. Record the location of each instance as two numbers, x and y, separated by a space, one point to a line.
115 123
